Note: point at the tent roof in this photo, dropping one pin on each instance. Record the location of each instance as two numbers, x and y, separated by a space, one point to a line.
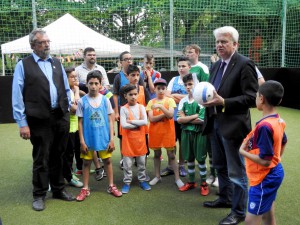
67 36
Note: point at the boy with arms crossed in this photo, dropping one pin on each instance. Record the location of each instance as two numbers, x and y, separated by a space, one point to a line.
190 116
133 121
262 149
96 132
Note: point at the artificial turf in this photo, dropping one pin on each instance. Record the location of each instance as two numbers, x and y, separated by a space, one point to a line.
164 204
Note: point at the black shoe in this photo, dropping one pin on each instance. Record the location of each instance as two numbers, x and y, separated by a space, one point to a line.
63 195
217 204
232 219
38 204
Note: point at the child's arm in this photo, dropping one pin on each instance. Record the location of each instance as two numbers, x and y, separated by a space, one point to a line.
177 97
255 158
116 109
123 119
149 80
169 113
183 119
155 118
83 146
111 145
143 121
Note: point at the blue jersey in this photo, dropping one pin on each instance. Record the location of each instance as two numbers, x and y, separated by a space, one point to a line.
96 130
178 89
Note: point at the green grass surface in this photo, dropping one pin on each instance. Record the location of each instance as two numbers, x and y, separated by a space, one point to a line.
164 204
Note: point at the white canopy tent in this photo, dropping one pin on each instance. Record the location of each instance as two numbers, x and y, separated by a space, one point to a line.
68 36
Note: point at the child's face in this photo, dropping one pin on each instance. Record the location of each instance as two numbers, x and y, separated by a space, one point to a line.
126 61
189 86
72 79
94 85
183 68
131 97
148 64
191 54
258 101
160 90
134 77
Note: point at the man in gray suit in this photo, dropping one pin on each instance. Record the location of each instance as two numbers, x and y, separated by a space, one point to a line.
228 122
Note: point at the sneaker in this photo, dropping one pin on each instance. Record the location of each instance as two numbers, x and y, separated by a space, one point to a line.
179 183
210 179
182 171
215 183
74 177
166 172
154 181
49 188
99 174
104 173
114 191
125 188
121 164
147 178
76 183
204 190
78 172
83 194
188 186
145 186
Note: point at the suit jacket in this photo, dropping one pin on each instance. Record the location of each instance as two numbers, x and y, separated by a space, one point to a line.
238 88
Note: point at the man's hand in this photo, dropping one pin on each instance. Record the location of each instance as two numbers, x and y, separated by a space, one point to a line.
25 133
217 100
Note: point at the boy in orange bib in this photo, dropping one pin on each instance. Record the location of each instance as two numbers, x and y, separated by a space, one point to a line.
133 122
162 131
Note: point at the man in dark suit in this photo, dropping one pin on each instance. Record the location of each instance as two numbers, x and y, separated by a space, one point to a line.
228 121
40 100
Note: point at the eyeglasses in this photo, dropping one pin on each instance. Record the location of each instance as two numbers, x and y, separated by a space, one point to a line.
127 59
42 42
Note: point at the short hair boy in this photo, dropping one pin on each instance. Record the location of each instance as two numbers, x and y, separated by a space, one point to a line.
96 132
161 130
191 116
262 149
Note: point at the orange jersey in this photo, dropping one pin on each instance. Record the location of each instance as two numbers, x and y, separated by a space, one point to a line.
162 133
134 140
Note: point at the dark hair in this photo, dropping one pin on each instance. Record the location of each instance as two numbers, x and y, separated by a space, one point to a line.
69 70
187 78
88 49
94 74
132 68
149 57
183 59
126 88
272 91
122 54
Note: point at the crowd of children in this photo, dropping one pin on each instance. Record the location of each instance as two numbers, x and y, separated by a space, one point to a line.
153 114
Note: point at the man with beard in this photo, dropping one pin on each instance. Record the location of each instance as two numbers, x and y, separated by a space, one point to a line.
40 100
89 64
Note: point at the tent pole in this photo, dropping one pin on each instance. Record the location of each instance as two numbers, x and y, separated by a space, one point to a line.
3 65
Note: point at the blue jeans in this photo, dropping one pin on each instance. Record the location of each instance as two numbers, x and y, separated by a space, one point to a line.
231 171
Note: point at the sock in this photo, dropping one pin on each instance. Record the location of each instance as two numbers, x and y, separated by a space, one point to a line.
191 171
202 171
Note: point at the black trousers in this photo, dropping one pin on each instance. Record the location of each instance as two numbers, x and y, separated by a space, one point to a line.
73 148
49 139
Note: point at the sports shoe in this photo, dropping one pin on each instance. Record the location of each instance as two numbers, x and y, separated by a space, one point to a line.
83 194
114 191
145 186
104 173
166 172
121 164
75 177
76 183
179 183
78 172
210 179
188 186
99 174
154 181
204 190
182 171
215 183
125 188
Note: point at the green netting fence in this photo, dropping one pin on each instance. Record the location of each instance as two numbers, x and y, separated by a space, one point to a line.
269 29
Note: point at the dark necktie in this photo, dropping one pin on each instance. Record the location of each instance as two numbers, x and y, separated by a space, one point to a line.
219 75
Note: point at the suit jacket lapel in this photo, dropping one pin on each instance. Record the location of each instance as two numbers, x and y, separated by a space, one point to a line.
229 68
